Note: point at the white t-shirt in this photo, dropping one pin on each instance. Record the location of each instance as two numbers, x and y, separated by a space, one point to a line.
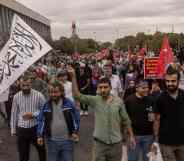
181 82
116 85
68 90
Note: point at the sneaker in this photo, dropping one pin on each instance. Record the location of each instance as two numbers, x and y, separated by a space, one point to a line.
86 113
76 140
82 113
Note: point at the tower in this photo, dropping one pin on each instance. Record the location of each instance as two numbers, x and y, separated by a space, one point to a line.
74 36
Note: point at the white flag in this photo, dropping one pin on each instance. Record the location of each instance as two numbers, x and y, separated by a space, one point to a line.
23 48
4 96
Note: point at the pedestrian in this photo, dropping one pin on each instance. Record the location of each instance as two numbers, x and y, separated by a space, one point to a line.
130 90
14 88
116 84
57 122
169 120
140 109
25 107
84 83
110 115
62 77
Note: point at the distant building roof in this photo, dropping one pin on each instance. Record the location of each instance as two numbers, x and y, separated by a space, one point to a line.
18 7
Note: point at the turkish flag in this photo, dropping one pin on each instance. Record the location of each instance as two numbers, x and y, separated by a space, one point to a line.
165 58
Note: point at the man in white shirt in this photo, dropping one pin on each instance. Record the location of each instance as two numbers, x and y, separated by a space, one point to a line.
63 78
115 80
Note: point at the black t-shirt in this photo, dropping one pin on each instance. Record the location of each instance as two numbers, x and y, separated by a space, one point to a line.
171 112
128 92
138 110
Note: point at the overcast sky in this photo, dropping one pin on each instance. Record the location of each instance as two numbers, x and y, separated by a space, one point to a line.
106 20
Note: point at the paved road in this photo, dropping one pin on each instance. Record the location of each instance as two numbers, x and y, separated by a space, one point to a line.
8 151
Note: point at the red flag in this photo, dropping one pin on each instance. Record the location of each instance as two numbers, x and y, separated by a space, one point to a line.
102 54
141 53
105 52
165 58
76 56
99 56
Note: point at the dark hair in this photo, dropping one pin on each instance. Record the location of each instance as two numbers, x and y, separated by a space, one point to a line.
141 82
170 71
55 84
104 80
62 73
26 77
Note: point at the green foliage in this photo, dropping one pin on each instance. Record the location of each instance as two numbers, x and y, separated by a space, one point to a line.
106 45
152 42
69 45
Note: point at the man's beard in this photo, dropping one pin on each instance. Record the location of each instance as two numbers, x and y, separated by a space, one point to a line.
104 95
26 91
173 89
55 99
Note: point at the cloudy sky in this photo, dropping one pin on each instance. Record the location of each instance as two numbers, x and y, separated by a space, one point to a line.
106 20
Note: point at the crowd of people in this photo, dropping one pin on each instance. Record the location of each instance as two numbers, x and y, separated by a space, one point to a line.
45 105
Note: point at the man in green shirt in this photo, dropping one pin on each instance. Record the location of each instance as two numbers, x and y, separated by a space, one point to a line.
110 117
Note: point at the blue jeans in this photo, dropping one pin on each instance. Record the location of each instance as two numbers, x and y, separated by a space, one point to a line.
143 144
60 150
77 115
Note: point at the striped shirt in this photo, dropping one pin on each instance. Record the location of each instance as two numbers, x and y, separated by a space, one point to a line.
23 104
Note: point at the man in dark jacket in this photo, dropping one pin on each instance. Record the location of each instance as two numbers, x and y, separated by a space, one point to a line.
57 122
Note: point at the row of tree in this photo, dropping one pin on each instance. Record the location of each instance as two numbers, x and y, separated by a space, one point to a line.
151 42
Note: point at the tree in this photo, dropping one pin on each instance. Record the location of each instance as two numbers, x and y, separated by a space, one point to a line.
105 45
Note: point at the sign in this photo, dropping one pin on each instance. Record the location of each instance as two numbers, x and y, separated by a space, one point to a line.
23 48
150 67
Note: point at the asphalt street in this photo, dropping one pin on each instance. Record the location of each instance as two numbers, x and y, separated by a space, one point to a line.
82 152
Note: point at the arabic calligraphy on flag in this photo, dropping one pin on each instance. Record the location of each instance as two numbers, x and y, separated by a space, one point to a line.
23 48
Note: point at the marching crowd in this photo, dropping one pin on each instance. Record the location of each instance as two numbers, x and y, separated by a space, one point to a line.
45 105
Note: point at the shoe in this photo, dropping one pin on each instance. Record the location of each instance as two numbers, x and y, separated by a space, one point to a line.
76 140
82 113
86 113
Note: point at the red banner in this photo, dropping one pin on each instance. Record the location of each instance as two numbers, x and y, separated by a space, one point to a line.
165 58
150 68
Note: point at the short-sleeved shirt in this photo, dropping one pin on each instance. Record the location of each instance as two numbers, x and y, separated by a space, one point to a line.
138 110
109 118
171 112
116 85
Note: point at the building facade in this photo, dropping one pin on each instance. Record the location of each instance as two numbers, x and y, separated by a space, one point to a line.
10 7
